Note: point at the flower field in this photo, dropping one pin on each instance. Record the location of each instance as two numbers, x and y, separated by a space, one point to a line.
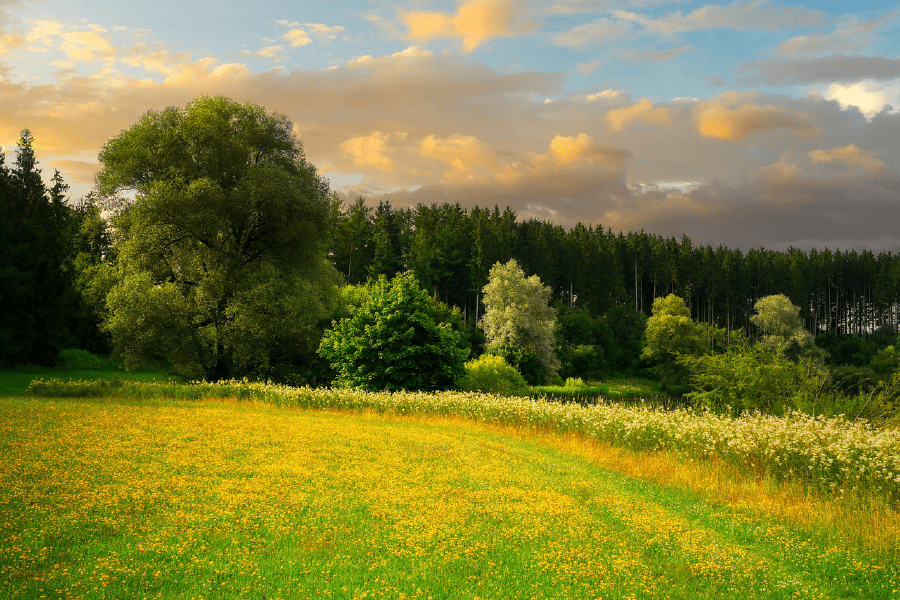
831 455
146 498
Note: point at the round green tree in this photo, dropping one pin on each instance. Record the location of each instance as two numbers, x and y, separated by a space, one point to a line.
220 232
671 334
398 339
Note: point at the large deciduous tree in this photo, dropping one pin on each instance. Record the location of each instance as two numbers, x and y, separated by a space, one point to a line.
518 317
220 232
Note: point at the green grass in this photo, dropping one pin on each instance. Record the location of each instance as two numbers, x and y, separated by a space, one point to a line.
14 382
161 499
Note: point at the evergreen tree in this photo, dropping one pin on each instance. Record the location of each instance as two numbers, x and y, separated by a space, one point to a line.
37 298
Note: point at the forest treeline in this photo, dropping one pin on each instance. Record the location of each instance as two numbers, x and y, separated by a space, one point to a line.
451 249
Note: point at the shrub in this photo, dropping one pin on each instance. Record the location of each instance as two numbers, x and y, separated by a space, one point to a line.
398 339
73 358
759 378
491 374
574 382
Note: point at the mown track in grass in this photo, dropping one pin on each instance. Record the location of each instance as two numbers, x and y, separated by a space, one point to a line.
107 499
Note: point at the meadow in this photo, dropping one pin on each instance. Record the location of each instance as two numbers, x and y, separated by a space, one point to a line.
140 494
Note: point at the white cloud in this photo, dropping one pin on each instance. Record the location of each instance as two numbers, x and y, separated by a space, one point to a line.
869 97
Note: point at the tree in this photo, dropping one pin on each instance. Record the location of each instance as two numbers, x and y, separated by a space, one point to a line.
670 334
671 331
220 232
779 321
518 316
37 297
397 338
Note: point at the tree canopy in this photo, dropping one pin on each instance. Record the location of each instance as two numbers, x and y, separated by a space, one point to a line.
220 231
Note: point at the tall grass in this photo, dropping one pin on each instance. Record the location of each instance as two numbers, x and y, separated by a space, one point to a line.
830 455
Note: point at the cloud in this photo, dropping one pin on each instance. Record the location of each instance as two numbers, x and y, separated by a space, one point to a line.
826 69
789 203
850 155
854 35
654 55
297 37
604 95
160 61
595 33
643 111
86 45
724 119
475 22
324 32
743 16
586 68
868 96
369 150
77 171
270 51
467 156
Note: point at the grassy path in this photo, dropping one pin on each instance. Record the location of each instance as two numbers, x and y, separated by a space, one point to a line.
228 500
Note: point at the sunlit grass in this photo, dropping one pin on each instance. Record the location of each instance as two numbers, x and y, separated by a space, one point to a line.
156 499
14 382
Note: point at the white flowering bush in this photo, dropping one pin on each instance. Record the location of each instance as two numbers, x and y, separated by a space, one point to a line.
829 454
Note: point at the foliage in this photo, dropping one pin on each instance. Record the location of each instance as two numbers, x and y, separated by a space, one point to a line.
849 380
37 297
671 331
574 382
220 232
491 374
779 321
73 358
401 338
518 317
747 378
847 349
671 334
886 361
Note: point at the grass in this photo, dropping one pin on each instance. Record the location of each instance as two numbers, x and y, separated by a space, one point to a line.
619 388
15 382
162 499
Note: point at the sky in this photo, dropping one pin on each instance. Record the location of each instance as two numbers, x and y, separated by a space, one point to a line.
745 124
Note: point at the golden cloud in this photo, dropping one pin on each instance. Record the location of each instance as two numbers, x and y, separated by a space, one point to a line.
369 151
723 120
475 22
465 153
850 155
620 118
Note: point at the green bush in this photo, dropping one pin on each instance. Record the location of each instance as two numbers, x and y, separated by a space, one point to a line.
75 359
886 361
574 382
491 374
523 361
758 378
399 338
